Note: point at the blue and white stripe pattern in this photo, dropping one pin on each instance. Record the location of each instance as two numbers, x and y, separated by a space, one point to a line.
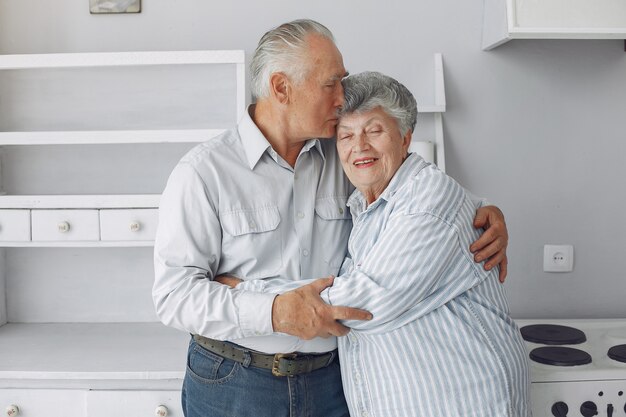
441 342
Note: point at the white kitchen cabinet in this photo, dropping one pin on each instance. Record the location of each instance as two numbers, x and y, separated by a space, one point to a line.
134 403
128 225
504 20
87 142
14 225
65 225
42 402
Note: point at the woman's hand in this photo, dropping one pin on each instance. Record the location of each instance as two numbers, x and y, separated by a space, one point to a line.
493 243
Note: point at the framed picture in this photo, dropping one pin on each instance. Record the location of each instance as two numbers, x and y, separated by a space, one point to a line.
114 6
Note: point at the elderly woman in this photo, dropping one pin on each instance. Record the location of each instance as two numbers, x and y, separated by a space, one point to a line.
441 342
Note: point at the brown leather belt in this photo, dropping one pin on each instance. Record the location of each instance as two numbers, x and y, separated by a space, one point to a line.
281 364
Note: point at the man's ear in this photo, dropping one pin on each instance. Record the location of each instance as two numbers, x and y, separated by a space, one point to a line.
280 87
406 140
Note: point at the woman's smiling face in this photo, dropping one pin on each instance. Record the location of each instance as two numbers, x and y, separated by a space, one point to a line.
371 149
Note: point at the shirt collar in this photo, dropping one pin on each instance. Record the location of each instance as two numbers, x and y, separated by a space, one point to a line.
255 144
357 202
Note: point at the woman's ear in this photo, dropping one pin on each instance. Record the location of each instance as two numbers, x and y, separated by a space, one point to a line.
279 87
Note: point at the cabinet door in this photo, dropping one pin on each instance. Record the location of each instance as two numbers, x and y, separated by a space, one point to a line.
65 225
134 403
44 402
128 225
14 225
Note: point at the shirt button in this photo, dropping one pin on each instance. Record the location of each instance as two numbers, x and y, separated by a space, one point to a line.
300 215
252 225
340 210
305 252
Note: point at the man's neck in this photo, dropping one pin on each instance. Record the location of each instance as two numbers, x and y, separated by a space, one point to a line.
275 128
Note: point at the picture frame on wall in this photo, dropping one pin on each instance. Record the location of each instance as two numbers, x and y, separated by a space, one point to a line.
114 6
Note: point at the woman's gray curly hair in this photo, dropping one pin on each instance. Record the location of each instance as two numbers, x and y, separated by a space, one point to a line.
368 90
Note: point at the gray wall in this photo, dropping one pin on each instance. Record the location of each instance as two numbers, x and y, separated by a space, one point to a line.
535 126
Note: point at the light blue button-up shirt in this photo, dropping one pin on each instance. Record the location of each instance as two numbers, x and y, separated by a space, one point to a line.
441 342
233 206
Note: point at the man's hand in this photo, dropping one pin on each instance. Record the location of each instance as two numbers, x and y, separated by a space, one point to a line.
304 314
493 243
229 280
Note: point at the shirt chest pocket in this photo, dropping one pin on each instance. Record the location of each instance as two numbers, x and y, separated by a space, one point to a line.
333 222
252 243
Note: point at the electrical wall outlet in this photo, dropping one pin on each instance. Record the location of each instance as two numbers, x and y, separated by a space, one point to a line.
558 258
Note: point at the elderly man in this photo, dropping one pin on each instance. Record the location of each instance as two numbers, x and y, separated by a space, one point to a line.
268 200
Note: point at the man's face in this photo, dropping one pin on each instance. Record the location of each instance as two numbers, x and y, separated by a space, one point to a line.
316 100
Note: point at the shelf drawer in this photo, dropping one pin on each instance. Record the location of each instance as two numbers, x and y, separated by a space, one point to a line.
14 225
44 402
65 225
133 403
128 225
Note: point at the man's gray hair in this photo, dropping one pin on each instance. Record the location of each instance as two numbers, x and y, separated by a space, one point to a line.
368 90
282 50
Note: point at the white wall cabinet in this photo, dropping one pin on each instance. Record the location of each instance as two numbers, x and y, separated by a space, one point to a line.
87 142
504 20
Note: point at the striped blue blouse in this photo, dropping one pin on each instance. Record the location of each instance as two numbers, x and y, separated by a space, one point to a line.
441 342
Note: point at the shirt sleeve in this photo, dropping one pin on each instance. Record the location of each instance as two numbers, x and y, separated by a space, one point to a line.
409 272
186 257
478 202
282 285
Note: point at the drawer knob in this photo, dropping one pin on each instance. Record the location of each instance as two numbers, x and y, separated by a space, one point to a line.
161 411
12 410
135 226
64 227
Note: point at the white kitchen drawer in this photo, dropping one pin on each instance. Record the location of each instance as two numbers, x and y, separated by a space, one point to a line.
14 225
43 402
134 403
130 224
65 225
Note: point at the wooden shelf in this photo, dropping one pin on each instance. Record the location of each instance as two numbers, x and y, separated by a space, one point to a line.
505 20
114 59
108 137
91 351
79 201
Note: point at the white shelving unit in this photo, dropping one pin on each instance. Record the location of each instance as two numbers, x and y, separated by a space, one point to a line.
504 20
433 151
78 334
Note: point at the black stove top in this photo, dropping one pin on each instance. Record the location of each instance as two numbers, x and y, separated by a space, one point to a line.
618 353
560 356
553 334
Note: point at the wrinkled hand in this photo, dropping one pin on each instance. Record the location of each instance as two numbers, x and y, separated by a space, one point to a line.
493 243
229 280
304 314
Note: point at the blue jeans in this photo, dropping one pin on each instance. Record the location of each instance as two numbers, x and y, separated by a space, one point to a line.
218 387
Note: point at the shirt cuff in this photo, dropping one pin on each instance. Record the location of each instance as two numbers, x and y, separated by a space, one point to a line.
255 313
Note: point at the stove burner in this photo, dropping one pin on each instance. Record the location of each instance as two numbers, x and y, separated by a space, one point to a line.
618 353
552 334
560 356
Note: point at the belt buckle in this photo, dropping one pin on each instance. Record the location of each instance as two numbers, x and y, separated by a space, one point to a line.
276 364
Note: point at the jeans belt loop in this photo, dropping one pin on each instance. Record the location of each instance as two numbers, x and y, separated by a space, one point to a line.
247 358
